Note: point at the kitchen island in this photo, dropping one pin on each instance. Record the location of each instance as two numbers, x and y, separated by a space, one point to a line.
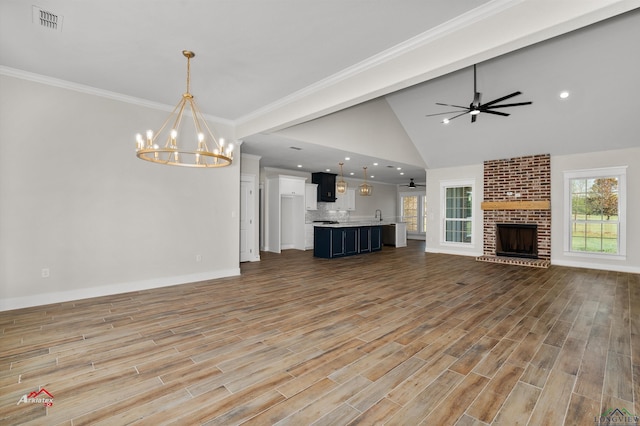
332 240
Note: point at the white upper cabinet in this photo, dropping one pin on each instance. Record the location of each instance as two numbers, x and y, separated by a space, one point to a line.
292 185
346 201
311 196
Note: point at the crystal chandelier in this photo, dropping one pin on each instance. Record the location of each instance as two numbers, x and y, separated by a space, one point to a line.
194 154
365 188
341 185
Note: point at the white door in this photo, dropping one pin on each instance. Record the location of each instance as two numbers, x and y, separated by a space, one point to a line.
247 220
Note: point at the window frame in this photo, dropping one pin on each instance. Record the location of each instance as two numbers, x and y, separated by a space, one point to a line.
444 185
620 173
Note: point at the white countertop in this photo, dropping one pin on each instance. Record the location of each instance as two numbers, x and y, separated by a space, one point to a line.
353 224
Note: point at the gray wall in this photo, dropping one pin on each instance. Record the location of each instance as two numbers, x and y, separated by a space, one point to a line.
559 164
615 158
74 199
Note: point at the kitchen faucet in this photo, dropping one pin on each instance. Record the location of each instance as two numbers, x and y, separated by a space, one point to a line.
380 212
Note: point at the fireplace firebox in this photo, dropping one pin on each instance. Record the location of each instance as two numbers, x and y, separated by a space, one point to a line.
517 240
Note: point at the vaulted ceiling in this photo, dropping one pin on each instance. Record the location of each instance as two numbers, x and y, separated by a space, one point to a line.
275 68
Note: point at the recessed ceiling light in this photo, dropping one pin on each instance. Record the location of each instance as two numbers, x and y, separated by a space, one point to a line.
299 165
351 174
445 121
375 164
401 173
399 168
327 170
372 176
347 158
564 94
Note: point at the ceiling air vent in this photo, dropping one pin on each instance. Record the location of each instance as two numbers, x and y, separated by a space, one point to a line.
47 19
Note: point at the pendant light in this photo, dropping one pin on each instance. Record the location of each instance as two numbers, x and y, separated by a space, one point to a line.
178 152
365 188
341 185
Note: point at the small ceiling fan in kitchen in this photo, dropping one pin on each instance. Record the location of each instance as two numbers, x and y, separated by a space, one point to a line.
412 184
476 106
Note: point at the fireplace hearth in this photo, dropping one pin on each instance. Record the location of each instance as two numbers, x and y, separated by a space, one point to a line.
517 240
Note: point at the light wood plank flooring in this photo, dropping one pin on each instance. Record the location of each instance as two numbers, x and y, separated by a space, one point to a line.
397 337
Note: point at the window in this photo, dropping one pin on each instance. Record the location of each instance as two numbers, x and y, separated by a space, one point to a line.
596 208
413 212
410 212
458 212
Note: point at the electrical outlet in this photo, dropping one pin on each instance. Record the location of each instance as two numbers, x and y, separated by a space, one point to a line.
45 272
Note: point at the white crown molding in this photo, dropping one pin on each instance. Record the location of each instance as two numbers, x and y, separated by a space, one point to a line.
64 84
451 26
423 57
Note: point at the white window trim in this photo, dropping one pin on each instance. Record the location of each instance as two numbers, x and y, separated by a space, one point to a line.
621 174
444 184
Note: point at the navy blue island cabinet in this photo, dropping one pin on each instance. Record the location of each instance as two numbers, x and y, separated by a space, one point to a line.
337 241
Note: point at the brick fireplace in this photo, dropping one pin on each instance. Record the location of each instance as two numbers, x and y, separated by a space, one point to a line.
518 191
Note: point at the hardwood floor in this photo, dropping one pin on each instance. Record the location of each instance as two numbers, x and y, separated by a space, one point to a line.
398 337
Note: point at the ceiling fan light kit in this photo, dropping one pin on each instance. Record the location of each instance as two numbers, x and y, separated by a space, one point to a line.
476 106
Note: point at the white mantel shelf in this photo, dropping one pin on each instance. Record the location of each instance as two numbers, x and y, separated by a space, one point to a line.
516 205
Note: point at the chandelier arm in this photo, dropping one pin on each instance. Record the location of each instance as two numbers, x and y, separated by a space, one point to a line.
166 121
215 140
194 115
178 120
197 116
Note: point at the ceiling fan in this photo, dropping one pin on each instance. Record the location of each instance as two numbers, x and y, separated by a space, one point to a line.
412 184
476 107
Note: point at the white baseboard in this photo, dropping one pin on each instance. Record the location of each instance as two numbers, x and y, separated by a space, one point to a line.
570 263
594 265
108 290
454 252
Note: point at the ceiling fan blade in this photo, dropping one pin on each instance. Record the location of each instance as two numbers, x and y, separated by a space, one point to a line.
495 101
442 113
456 116
504 114
454 106
507 105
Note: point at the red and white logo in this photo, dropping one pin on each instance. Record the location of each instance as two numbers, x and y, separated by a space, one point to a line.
40 397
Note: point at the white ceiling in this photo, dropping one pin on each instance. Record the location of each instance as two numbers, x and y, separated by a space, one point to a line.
264 65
